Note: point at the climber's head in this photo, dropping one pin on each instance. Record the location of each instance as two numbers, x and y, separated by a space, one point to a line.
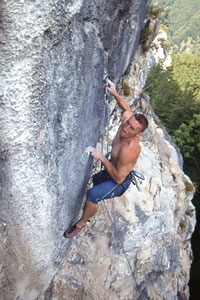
142 120
134 126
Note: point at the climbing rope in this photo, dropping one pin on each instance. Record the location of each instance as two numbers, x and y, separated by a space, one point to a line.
106 114
106 134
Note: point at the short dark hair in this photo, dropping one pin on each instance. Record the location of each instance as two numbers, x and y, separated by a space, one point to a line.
142 120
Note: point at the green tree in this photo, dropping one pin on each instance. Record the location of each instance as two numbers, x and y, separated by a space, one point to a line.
187 137
184 23
175 98
186 72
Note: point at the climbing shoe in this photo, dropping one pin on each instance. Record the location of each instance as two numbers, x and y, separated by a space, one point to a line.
72 231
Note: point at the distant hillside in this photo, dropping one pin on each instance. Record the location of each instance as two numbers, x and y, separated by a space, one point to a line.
184 19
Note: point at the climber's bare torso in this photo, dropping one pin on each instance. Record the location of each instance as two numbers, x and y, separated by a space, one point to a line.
125 146
124 154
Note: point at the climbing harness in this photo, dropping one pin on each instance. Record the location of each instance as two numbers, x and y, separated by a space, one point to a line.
138 180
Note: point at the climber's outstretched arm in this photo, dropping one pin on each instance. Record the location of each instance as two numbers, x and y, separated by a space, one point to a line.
121 102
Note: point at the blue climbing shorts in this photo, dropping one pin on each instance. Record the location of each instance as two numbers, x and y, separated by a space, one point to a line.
104 187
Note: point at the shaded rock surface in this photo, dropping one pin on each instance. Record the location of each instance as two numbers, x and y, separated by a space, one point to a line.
53 58
138 246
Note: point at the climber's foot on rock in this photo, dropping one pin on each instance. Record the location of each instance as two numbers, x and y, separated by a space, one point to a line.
73 230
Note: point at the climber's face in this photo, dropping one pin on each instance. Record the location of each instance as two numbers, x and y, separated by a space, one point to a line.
131 128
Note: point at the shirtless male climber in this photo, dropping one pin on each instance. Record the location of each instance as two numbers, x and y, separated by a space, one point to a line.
116 178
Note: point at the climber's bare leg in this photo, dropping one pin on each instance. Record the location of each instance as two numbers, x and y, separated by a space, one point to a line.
89 210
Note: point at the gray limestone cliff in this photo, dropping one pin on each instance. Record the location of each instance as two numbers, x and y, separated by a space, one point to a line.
54 55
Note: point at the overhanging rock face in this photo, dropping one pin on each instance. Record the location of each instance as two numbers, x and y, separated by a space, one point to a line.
53 58
138 245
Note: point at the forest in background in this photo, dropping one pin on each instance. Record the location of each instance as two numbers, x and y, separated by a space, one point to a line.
183 24
175 98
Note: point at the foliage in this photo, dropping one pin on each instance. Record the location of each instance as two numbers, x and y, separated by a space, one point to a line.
184 23
165 44
160 13
189 188
186 72
145 36
184 28
175 97
187 136
155 11
126 89
155 16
